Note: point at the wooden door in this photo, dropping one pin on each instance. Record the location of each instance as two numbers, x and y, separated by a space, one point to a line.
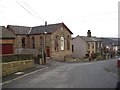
48 51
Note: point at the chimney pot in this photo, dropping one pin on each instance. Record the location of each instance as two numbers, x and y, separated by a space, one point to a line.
45 23
89 33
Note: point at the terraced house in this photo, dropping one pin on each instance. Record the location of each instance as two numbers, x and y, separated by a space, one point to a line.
85 45
54 39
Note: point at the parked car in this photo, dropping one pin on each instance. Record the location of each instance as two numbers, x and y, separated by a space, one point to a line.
118 85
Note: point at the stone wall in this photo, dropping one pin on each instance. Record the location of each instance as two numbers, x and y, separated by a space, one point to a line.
60 54
37 40
15 66
18 41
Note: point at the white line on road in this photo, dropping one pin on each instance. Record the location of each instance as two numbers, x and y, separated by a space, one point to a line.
114 74
111 72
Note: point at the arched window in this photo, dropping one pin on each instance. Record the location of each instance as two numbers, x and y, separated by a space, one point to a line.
23 42
62 42
68 42
56 43
33 42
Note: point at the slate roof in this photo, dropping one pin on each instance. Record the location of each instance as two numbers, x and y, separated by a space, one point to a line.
37 29
41 29
19 29
90 39
5 33
110 41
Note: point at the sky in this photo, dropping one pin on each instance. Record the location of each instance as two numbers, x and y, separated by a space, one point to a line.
99 16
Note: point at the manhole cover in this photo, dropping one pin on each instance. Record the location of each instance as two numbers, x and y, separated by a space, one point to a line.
19 72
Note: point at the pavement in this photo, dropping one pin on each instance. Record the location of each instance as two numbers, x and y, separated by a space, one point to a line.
35 68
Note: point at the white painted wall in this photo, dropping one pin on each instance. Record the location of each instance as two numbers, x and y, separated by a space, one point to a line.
79 47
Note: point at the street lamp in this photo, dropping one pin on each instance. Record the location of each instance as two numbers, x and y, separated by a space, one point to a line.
44 48
43 45
19 44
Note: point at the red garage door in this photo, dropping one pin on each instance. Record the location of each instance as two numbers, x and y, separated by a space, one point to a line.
7 49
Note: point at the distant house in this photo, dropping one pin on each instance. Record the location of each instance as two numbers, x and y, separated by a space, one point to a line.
6 41
54 39
83 45
111 43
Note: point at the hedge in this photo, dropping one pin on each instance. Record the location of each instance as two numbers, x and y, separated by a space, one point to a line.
16 57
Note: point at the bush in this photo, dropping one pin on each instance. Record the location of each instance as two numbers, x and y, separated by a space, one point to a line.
99 57
86 56
16 57
68 57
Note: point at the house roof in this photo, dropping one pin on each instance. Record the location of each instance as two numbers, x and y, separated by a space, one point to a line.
5 33
37 29
90 39
19 29
48 28
110 41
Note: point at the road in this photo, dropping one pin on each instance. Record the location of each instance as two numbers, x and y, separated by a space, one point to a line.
69 75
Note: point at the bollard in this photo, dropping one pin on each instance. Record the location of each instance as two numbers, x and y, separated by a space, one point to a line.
118 63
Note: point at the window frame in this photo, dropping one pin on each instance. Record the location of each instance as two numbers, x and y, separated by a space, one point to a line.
62 43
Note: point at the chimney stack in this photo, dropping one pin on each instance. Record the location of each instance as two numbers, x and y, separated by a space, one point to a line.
45 23
89 33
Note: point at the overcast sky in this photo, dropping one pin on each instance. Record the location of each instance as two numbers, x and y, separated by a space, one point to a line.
99 16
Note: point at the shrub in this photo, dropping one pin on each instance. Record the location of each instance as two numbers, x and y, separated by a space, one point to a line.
86 56
99 57
68 57
16 57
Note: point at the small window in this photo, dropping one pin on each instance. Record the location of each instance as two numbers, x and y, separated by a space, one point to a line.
61 28
72 48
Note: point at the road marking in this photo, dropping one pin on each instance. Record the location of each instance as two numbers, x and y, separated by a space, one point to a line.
112 72
115 74
22 76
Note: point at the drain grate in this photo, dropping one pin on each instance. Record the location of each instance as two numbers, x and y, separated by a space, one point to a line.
19 73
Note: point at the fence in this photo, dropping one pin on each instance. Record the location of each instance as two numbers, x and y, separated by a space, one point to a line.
26 51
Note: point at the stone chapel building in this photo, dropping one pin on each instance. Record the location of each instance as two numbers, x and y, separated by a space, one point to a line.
54 39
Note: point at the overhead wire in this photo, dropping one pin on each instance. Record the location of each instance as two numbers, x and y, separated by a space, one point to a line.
26 4
31 13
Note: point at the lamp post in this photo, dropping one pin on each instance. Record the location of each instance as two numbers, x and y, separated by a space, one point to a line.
43 48
19 44
44 45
